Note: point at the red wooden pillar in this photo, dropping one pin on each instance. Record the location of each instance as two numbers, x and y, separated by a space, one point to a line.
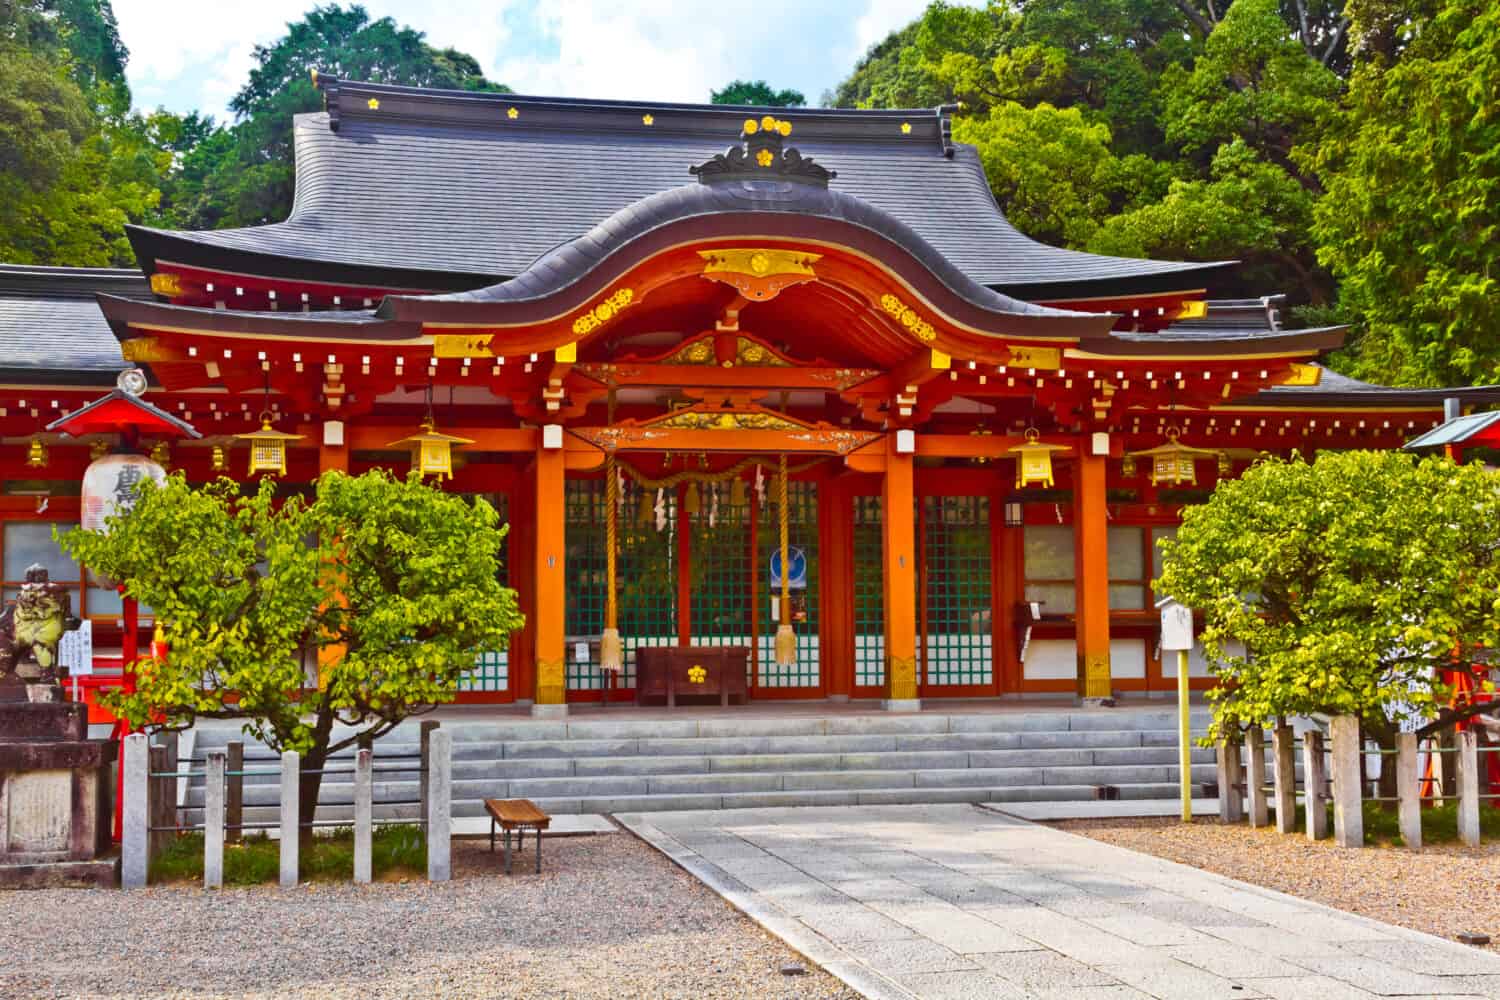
899 535
836 586
549 582
522 513
1091 562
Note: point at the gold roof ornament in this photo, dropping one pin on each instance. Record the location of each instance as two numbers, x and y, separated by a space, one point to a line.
1034 460
1174 463
268 447
431 452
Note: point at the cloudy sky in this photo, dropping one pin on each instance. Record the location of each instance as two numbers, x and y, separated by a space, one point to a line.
187 54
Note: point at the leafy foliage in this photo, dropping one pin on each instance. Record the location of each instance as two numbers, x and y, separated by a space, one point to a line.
1410 223
358 606
1134 127
757 93
1342 586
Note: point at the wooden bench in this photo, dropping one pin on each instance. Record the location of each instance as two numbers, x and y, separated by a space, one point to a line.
519 815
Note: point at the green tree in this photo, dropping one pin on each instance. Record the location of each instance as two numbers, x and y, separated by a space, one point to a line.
1351 582
249 178
1053 171
360 606
757 93
1410 224
75 164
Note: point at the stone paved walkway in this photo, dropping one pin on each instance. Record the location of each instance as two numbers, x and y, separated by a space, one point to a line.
959 902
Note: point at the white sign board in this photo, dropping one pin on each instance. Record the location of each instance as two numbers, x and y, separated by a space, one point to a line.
1176 625
75 650
580 652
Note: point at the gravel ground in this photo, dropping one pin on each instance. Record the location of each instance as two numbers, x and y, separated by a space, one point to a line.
608 917
1442 890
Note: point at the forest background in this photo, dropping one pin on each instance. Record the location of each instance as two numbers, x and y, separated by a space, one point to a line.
1347 153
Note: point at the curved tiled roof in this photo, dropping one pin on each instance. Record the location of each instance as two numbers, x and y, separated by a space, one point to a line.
773 208
51 327
442 190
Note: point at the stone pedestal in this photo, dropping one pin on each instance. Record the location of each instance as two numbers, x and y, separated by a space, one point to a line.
55 788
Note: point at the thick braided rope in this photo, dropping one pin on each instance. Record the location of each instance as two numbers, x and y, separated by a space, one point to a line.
786 569
611 535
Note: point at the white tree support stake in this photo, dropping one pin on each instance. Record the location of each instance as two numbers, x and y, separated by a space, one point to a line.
1284 750
1255 777
439 812
1468 788
1231 777
1409 790
364 798
135 819
290 821
213 821
1348 795
1315 785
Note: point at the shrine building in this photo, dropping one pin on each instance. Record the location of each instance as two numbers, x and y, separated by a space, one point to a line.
815 385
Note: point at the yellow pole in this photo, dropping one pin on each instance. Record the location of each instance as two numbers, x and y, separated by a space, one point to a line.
1184 738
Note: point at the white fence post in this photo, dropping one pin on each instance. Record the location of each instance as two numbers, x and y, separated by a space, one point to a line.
1255 776
1348 792
439 811
364 799
1283 743
1408 791
1231 805
424 746
135 821
213 821
1314 785
1468 787
290 821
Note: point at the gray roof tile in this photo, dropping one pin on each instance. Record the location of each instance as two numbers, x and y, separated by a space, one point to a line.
416 192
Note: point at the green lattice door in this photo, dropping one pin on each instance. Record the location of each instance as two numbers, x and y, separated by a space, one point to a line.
491 673
722 597
802 534
869 593
957 644
646 577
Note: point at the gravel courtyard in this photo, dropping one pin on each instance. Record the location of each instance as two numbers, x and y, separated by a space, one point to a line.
1442 889
608 917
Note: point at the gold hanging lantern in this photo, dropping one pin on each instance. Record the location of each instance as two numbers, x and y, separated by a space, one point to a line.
220 460
1173 463
36 454
1127 467
98 450
161 454
268 447
1034 460
1226 465
431 452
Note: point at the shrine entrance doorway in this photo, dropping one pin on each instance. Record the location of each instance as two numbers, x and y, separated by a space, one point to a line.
697 549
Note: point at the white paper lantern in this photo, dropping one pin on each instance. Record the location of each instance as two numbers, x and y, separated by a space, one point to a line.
110 486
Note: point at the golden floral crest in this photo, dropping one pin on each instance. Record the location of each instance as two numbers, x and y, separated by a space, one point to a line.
908 318
593 319
696 674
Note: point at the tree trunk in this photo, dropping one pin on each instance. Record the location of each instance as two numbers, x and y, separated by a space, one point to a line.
1385 738
310 783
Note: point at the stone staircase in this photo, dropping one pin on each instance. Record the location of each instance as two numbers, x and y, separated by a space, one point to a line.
625 764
